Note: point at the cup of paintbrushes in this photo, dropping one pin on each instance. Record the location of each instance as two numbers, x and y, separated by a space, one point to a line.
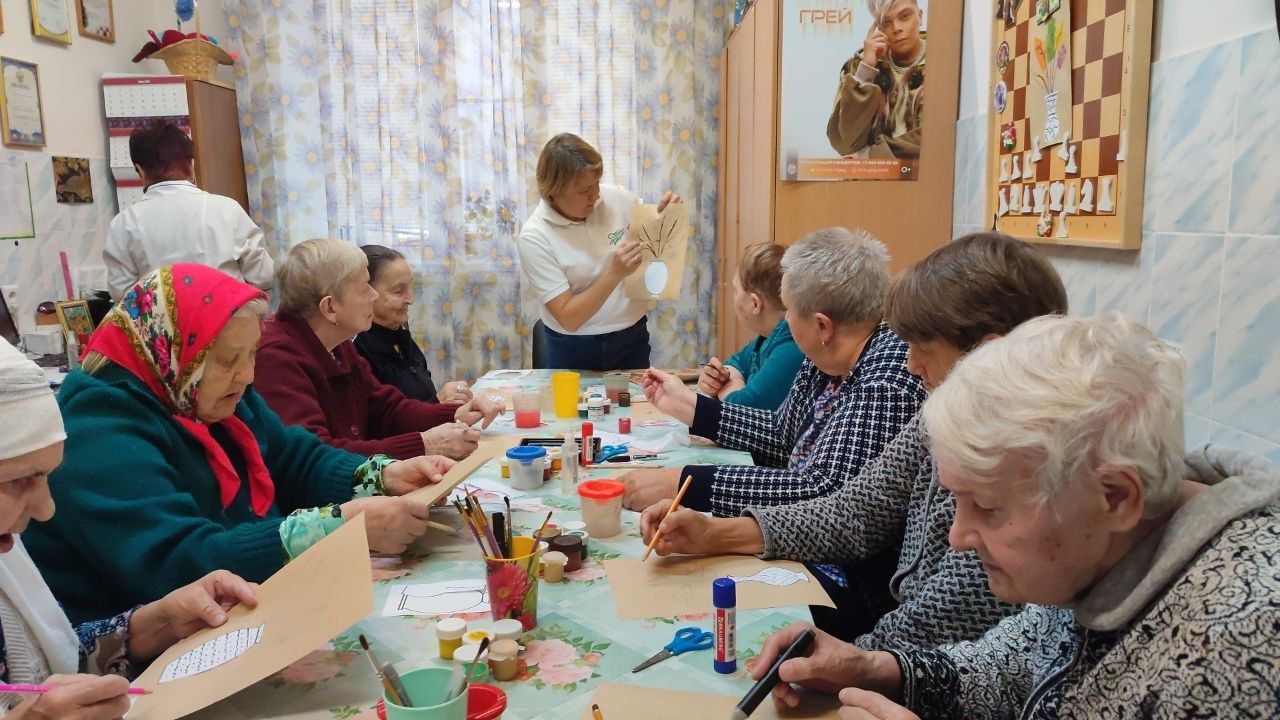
429 688
513 583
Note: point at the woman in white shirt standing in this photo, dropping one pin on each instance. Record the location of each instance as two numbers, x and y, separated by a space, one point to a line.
575 252
178 222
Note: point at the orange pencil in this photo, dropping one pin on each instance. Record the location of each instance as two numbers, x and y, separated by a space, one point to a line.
688 479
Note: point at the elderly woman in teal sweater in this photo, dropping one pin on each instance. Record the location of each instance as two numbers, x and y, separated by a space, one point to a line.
762 372
175 467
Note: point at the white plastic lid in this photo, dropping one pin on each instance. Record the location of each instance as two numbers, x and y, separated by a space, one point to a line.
504 649
555 557
451 628
574 525
465 654
509 627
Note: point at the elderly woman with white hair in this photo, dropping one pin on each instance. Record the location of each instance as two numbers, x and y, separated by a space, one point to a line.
850 398
175 467
1151 575
310 372
37 643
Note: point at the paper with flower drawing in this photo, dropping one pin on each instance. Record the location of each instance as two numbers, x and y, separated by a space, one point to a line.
1049 84
632 702
319 594
681 584
663 237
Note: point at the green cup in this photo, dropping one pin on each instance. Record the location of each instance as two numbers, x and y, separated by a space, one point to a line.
426 690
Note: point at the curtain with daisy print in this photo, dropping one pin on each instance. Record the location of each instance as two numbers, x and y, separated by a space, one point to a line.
417 124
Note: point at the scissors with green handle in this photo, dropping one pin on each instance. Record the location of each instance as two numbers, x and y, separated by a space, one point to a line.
686 639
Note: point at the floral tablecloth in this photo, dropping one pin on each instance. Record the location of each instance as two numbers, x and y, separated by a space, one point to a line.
579 641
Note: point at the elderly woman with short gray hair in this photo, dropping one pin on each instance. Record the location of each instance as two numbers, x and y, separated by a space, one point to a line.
311 374
851 397
1150 575
574 252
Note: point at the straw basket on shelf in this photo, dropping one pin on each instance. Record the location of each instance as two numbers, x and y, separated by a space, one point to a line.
193 58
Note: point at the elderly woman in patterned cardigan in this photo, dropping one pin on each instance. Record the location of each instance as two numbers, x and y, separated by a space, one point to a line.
1151 574
37 643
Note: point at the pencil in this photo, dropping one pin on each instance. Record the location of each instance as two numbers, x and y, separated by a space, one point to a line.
41 689
688 480
595 712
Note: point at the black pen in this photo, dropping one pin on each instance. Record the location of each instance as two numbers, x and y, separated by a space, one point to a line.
765 685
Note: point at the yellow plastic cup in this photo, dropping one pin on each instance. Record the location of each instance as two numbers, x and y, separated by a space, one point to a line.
565 387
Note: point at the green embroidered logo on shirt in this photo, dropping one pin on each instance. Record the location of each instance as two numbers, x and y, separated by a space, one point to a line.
616 236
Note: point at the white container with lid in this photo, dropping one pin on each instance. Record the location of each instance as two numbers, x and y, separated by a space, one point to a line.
507 629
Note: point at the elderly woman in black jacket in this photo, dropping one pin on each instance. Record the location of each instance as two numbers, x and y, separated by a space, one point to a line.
388 345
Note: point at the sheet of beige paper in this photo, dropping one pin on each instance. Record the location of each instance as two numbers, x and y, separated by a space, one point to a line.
681 584
486 450
648 226
632 702
319 594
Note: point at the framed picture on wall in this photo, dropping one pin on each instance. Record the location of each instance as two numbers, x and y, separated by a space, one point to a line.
96 19
21 115
49 20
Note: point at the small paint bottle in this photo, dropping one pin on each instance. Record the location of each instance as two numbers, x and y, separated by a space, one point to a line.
587 431
624 399
449 632
505 466
557 460
503 659
724 596
624 426
583 410
595 409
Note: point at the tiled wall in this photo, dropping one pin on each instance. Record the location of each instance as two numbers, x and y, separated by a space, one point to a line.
1208 274
78 229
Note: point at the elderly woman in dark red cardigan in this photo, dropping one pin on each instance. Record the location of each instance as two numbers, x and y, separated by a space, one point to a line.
310 373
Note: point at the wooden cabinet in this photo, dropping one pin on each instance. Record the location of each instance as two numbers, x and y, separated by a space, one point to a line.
215 130
911 218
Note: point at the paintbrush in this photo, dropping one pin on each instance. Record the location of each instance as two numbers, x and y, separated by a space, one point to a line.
392 691
457 684
511 549
657 533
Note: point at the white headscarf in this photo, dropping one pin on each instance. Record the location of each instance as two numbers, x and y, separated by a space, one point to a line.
32 422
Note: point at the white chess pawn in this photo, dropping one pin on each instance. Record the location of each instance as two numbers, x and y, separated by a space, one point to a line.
1017 166
1064 151
1123 151
1086 197
1004 204
1028 167
1004 169
1035 149
1104 196
1038 193
1072 191
1026 198
1072 167
1015 199
1062 226
1044 225
1055 196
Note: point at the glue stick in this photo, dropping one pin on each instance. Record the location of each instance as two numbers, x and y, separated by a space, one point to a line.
587 430
724 596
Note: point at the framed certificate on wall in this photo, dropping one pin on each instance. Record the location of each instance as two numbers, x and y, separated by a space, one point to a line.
96 19
49 20
21 114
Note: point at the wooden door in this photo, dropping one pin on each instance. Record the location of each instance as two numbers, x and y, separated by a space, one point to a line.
215 130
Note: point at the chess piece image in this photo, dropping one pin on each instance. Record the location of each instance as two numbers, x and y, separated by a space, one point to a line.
1055 196
1026 198
1004 169
1004 205
1035 149
1086 197
1072 168
1062 227
1073 191
1028 167
1017 166
1064 151
1015 199
1123 151
1038 194
1104 196
1044 224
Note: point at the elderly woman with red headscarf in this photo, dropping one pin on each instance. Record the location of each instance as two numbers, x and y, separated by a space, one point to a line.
174 466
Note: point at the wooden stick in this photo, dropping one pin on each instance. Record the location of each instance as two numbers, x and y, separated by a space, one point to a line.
441 527
657 533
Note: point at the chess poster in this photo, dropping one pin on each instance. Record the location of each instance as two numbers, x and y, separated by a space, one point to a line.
852 89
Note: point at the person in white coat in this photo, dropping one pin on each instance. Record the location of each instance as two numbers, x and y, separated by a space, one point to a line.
178 222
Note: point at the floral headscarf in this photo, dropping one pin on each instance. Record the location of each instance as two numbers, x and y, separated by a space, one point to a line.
161 331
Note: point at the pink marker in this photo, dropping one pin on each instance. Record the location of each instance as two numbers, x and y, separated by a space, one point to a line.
42 689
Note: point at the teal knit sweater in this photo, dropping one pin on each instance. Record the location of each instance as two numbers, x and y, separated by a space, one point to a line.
138 509
769 366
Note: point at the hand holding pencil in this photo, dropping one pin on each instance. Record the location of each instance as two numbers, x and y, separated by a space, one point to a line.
652 540
85 697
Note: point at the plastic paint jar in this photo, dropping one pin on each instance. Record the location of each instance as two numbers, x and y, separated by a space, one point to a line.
466 654
602 506
595 409
449 632
571 547
553 564
557 460
508 629
503 658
